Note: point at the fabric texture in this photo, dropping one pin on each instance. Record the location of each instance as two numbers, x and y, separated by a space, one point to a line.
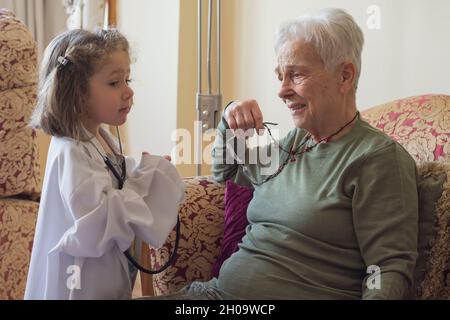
433 265
17 222
202 219
421 124
19 163
237 199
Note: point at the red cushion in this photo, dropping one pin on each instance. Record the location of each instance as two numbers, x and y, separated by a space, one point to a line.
236 200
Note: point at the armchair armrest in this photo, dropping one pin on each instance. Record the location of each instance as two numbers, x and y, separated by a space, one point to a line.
202 219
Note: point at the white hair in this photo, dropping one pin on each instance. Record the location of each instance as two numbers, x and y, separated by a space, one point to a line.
332 32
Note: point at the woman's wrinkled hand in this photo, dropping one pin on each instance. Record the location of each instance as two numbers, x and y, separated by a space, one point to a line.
245 115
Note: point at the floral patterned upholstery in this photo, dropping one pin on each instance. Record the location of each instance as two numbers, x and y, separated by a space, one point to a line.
201 230
17 221
19 163
421 124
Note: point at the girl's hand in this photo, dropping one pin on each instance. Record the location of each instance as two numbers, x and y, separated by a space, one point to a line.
168 158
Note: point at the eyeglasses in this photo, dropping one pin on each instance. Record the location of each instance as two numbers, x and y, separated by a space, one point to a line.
275 142
292 154
245 168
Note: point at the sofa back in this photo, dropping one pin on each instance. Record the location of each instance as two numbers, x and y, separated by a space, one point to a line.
421 124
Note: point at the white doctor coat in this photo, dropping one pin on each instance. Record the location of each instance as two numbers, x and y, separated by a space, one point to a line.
85 224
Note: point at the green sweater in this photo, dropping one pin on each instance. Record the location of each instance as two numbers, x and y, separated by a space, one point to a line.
316 227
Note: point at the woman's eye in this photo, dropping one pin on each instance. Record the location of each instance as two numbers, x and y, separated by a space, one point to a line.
114 83
129 81
297 78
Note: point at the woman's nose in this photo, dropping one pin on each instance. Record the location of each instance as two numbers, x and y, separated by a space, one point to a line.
285 88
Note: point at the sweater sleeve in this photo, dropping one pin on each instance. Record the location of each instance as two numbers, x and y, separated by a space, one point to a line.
385 217
225 164
146 207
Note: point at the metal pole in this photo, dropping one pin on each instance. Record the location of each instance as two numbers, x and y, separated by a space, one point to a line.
208 104
208 58
198 135
219 47
199 33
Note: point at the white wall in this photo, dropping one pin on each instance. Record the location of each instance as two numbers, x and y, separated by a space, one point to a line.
152 28
409 55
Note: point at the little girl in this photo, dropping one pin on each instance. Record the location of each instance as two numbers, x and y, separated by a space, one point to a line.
94 201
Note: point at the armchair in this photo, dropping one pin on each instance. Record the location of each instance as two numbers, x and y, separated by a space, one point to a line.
421 124
19 167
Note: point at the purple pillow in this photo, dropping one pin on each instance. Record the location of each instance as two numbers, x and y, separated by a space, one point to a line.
236 200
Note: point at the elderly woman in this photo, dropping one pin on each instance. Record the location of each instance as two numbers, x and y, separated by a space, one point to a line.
343 201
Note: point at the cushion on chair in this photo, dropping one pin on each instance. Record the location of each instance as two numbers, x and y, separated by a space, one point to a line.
432 267
19 163
237 199
201 217
421 124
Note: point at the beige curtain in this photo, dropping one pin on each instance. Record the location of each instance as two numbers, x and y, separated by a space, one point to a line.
44 18
31 12
85 14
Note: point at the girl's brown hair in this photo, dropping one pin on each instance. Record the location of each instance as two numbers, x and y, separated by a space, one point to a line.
63 87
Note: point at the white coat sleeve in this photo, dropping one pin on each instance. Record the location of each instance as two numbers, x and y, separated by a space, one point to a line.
146 207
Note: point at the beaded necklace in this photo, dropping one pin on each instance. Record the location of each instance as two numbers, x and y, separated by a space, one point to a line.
293 154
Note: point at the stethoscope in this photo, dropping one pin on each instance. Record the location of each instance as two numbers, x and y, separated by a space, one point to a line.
121 177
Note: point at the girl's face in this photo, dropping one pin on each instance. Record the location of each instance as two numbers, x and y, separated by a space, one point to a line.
109 96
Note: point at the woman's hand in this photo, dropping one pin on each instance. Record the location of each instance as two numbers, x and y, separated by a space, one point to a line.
244 115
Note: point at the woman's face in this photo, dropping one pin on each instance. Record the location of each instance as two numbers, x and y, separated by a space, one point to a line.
311 92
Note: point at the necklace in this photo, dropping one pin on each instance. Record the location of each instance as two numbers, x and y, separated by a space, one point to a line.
294 154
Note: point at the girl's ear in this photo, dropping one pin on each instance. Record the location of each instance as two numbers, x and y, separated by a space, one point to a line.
347 76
